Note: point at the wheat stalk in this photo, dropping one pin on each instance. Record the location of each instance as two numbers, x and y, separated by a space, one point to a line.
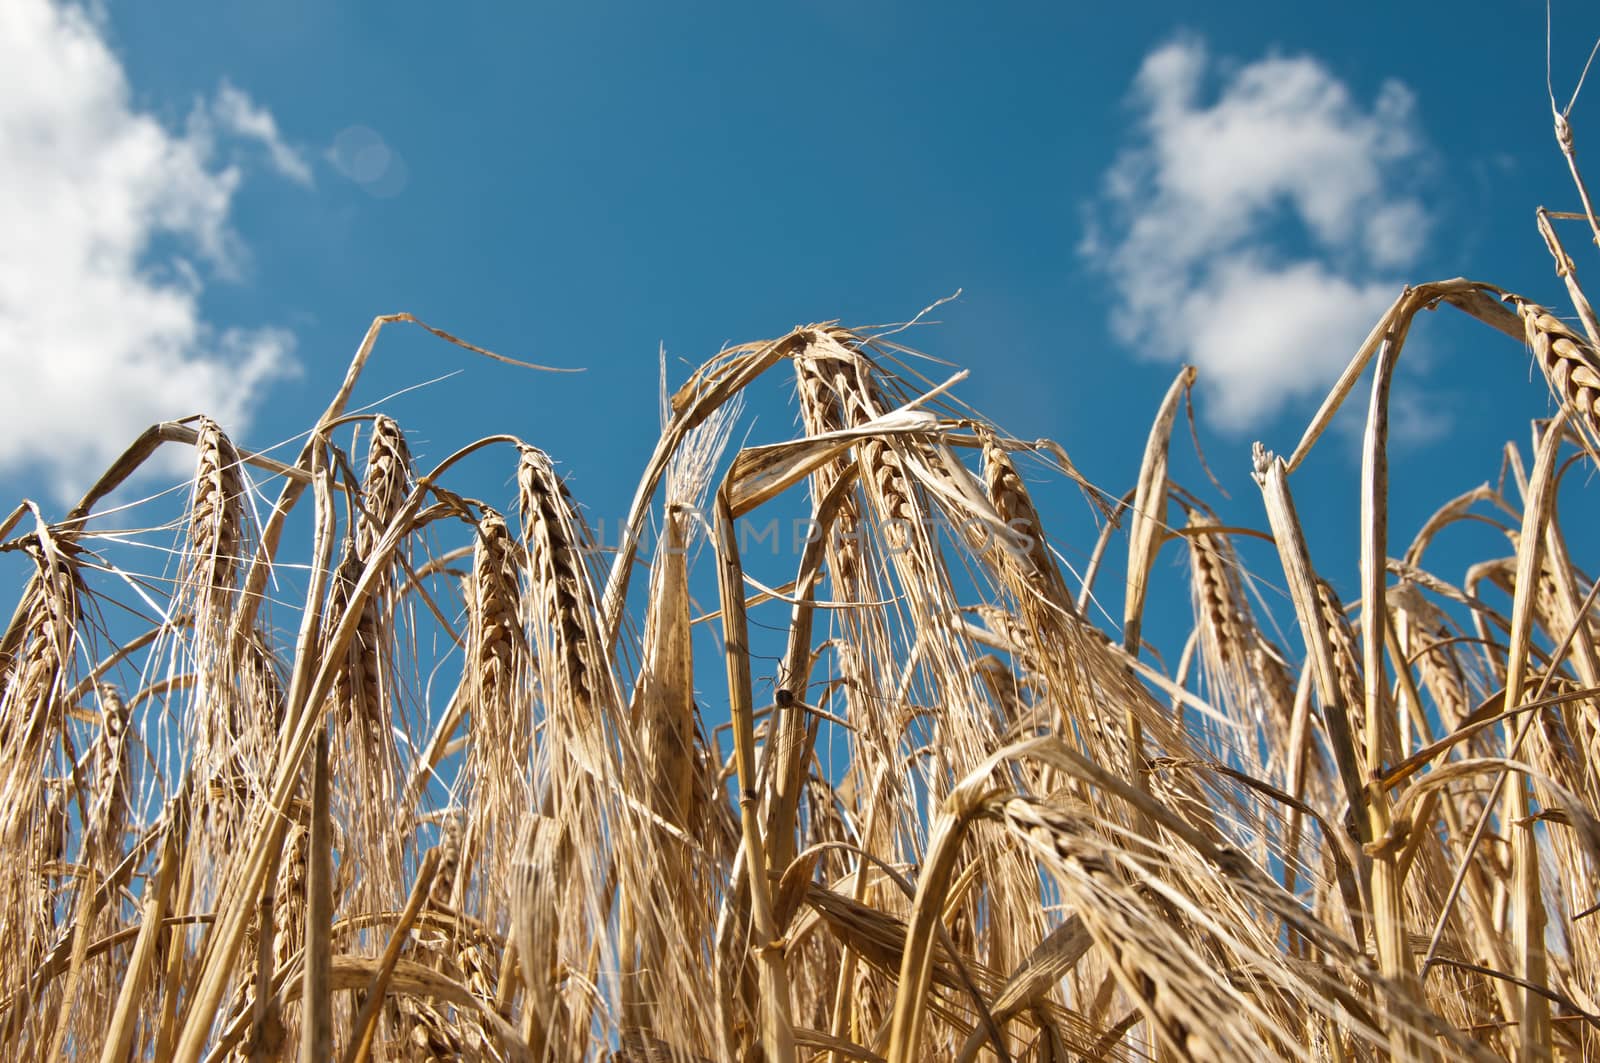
950 817
1568 361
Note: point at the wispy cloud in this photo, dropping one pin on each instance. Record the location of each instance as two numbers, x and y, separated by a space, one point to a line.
99 336
235 113
1254 221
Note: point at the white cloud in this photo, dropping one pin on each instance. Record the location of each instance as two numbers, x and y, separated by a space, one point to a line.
1252 231
100 338
234 112
1264 334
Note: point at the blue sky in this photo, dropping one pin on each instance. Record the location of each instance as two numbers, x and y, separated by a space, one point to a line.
208 202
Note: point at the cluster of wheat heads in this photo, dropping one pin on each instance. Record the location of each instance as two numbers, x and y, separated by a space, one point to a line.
463 802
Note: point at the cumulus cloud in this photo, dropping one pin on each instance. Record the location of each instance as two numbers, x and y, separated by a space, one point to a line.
1253 222
99 336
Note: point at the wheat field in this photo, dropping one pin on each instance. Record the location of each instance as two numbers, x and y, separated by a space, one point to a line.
448 790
